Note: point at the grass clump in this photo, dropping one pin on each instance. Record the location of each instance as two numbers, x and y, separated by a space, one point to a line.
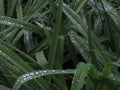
59 45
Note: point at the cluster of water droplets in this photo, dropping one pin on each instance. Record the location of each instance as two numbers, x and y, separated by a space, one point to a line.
29 76
112 12
108 8
71 15
98 26
76 20
4 20
114 77
26 77
79 44
9 21
26 38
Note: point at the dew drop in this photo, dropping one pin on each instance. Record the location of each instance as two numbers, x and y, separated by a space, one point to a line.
53 70
2 16
63 71
25 79
111 75
21 25
18 80
9 23
31 74
37 73
44 71
22 81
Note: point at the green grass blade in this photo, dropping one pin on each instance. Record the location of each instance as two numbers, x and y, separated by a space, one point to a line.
75 19
11 7
29 76
23 54
19 10
41 59
53 47
79 76
20 24
39 47
29 2
35 8
80 5
80 43
15 59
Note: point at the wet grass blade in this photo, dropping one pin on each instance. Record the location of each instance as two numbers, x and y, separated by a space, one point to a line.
79 76
20 24
53 46
15 59
29 76
75 19
34 9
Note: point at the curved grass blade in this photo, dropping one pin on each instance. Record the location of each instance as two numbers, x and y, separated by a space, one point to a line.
29 76
21 64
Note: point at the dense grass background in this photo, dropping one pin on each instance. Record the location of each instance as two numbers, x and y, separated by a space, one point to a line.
60 44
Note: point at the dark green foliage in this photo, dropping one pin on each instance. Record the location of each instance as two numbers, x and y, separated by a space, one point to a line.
59 44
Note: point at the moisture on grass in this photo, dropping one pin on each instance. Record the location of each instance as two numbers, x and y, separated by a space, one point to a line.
59 44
